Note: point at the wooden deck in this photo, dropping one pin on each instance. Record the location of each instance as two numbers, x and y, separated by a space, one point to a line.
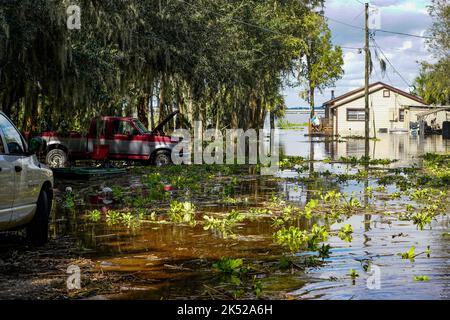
324 129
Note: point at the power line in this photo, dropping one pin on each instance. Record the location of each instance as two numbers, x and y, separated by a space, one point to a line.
345 24
379 30
402 34
356 17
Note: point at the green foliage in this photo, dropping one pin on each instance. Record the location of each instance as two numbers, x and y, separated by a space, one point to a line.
421 278
257 288
126 48
369 192
68 200
291 237
317 235
259 211
223 226
95 215
276 201
324 251
310 207
365 161
433 83
229 265
182 212
285 263
430 202
323 62
410 254
118 193
284 124
421 219
294 238
112 217
292 163
353 274
346 233
395 195
155 187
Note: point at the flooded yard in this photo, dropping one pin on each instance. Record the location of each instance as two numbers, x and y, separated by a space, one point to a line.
331 225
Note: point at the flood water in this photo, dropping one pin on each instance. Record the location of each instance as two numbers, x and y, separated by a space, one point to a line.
174 261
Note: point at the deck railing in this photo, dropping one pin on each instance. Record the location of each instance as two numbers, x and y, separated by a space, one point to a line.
325 127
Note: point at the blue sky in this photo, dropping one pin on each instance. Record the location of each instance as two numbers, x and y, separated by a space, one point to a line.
407 16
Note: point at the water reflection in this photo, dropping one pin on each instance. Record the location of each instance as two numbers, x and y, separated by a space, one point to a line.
403 147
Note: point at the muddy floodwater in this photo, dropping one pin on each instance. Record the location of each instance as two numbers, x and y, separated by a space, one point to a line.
154 257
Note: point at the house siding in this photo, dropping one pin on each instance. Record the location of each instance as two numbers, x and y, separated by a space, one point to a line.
384 113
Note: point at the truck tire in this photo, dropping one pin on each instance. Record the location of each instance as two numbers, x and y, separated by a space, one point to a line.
37 229
56 158
162 158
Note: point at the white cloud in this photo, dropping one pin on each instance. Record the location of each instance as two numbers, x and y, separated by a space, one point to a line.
404 53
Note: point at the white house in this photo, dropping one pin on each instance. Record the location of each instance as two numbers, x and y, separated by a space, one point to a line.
391 109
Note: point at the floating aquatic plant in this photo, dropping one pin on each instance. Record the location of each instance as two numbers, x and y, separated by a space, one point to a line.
95 215
229 265
346 233
353 273
410 254
182 212
421 278
291 237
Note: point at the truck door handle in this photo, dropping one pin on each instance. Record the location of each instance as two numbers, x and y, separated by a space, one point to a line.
18 168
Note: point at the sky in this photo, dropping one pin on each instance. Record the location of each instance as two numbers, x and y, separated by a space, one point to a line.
405 53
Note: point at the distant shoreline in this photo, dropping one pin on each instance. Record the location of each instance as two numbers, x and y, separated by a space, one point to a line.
305 108
303 111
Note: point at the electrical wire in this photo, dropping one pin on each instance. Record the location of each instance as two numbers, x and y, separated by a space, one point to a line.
390 63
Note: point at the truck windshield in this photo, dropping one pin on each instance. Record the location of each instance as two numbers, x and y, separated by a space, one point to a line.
141 126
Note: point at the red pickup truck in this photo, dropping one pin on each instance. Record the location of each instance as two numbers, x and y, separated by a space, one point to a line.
111 138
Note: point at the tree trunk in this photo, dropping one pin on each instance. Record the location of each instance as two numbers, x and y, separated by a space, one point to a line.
162 100
152 115
142 109
311 101
258 120
272 120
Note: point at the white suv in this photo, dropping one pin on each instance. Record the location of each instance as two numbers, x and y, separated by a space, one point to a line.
26 186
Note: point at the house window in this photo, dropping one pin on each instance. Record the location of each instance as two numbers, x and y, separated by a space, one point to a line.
356 114
401 115
386 93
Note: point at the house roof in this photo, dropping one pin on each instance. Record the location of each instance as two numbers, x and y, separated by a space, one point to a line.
374 87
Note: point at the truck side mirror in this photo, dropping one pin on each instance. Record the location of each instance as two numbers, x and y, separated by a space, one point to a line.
36 145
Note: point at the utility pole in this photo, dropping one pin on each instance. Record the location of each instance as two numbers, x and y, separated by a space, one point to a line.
367 67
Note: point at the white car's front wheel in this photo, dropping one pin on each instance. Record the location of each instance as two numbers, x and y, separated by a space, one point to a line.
37 229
